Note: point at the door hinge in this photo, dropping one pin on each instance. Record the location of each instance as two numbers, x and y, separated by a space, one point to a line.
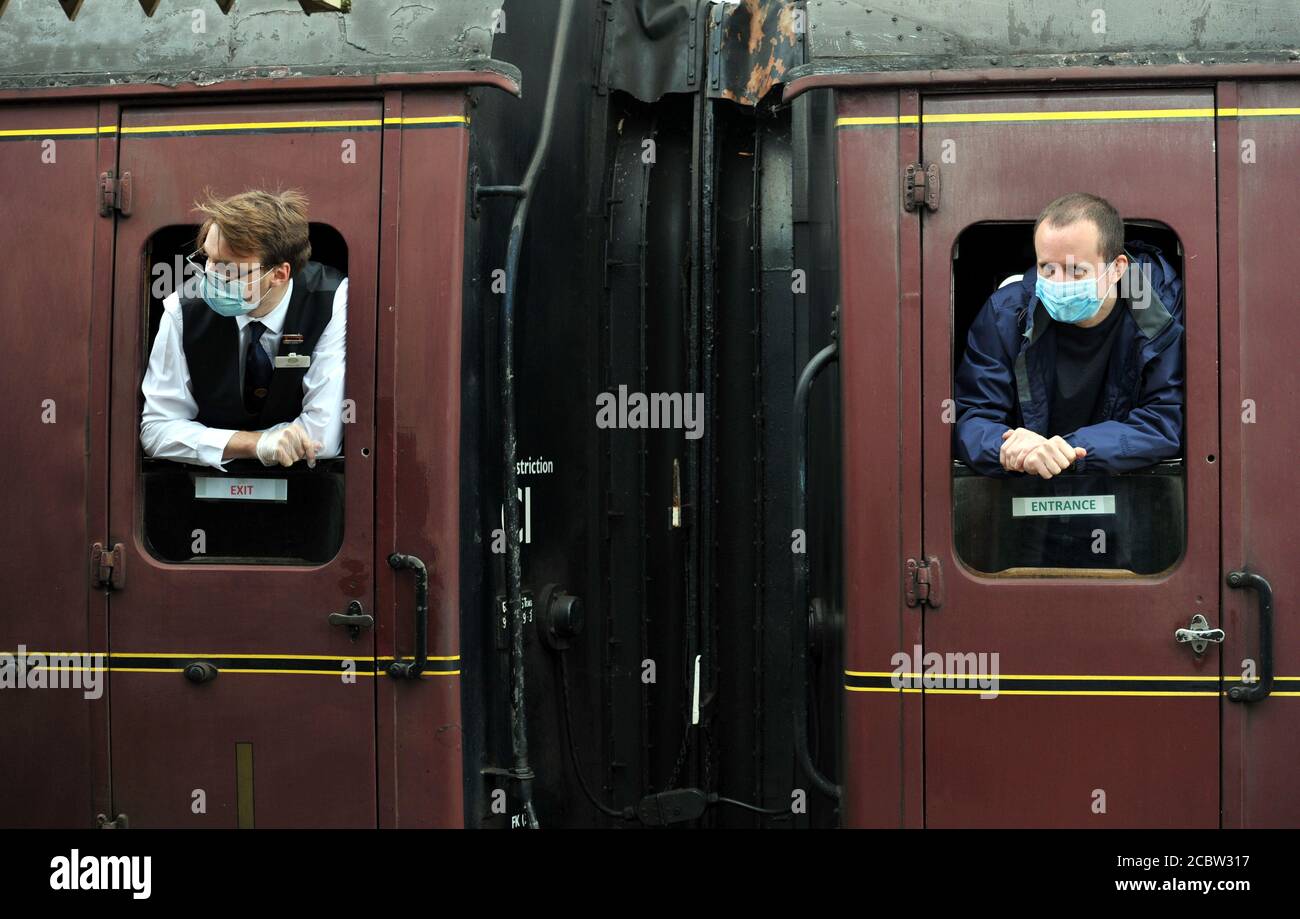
114 194
923 582
921 186
107 566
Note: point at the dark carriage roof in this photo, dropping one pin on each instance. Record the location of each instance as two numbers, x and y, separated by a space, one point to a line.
846 36
114 42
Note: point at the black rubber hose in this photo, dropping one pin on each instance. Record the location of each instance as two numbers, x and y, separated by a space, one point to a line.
522 772
626 813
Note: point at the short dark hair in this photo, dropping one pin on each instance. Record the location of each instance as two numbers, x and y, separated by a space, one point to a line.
1080 205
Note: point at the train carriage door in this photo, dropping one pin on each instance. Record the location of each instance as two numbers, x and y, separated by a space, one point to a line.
53 354
1259 130
243 664
1055 693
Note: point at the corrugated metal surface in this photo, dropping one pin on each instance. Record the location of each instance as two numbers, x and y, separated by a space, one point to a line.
113 41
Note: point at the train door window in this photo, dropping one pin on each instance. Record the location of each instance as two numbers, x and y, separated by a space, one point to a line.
250 513
1074 524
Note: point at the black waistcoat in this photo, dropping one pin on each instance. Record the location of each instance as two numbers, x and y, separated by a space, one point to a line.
211 346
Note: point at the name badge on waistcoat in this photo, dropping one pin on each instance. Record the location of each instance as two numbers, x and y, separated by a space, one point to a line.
292 359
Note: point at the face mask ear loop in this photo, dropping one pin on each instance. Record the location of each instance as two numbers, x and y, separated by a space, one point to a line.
1112 283
264 295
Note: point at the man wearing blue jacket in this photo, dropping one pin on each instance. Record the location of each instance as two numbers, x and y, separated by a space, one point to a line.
1081 362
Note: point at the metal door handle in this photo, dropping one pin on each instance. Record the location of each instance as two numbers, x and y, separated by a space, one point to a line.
1258 690
413 668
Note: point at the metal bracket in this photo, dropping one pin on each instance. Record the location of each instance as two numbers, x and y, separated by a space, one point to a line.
923 582
108 566
714 27
475 208
114 194
921 186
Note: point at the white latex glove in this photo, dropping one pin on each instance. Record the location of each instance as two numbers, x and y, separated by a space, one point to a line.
286 446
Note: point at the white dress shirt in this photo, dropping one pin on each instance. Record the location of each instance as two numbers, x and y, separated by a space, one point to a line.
168 429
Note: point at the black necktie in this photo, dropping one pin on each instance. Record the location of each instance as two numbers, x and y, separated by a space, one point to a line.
257 369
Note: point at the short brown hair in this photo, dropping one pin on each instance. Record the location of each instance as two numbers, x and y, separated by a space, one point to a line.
1079 205
271 225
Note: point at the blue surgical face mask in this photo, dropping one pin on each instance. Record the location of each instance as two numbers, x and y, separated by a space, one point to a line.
1071 301
225 297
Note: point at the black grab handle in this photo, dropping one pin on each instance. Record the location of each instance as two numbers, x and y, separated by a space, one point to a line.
799 619
412 669
1254 692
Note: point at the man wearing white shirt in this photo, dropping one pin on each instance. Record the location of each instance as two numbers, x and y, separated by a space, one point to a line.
253 367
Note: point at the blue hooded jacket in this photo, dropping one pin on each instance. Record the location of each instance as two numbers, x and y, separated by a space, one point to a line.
1008 373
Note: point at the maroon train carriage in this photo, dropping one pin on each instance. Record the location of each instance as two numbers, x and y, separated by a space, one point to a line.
323 658
290 594
945 156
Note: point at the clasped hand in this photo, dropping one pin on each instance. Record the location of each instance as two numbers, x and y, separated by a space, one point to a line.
285 446
1027 451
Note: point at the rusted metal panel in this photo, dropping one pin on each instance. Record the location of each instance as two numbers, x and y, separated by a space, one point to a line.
744 48
110 43
753 46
